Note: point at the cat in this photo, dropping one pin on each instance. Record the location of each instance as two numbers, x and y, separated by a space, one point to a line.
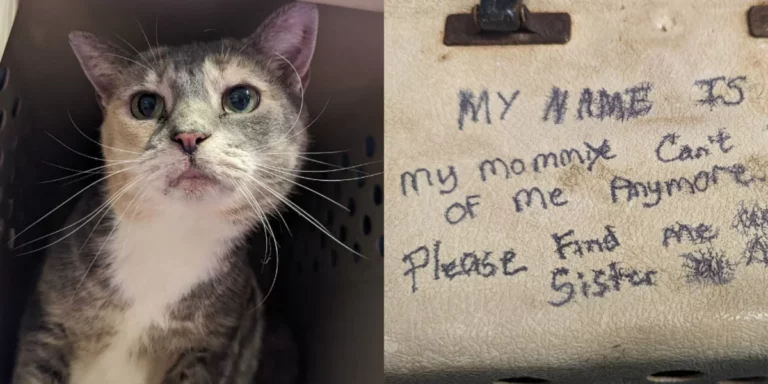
201 143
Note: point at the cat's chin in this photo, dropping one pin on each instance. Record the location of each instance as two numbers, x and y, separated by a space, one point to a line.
192 184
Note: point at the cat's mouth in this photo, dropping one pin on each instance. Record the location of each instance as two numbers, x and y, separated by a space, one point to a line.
194 177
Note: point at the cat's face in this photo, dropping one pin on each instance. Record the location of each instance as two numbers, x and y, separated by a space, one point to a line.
215 125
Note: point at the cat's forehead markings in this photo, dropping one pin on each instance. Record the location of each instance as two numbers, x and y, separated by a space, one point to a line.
224 75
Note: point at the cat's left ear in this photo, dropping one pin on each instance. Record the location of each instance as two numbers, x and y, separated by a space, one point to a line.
102 62
289 34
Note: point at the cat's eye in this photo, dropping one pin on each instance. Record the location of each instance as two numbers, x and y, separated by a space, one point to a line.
240 99
147 106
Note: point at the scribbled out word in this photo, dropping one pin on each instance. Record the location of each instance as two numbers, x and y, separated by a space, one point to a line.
632 103
589 155
751 220
709 267
565 244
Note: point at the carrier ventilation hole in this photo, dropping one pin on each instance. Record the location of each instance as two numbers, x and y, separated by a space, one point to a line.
315 265
16 109
351 207
675 376
378 194
366 225
521 380
742 380
361 177
2 119
381 246
334 258
345 160
370 146
356 256
343 234
4 74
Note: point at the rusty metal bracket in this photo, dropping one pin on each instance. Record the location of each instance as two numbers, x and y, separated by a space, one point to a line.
506 22
757 18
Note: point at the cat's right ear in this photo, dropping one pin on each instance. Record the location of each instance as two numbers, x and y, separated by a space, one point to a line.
101 61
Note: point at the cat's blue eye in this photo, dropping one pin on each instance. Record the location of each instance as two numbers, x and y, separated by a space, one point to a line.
147 106
240 99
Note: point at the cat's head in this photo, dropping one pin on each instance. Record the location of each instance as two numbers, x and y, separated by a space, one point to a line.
217 125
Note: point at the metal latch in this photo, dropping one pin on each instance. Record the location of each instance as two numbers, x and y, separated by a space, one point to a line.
506 22
757 18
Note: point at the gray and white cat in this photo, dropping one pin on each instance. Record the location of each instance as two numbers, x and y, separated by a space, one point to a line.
201 142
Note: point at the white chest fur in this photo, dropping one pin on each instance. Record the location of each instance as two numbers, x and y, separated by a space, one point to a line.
154 264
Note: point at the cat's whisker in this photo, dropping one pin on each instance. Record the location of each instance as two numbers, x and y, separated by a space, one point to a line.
271 287
306 188
93 261
81 178
114 163
96 142
149 46
86 219
137 51
130 224
270 145
267 256
221 38
131 60
157 40
275 209
68 200
301 88
259 213
78 175
321 180
306 153
301 212
87 173
335 166
74 151
105 209
79 171
267 226
350 168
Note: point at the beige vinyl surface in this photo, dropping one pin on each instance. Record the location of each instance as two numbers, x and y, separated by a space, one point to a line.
7 15
473 323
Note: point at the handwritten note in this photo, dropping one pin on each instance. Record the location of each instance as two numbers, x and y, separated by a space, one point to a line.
535 182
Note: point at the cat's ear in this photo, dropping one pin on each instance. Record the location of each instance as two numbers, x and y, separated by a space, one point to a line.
101 61
289 34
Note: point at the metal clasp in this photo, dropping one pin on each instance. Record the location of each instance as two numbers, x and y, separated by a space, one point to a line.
506 22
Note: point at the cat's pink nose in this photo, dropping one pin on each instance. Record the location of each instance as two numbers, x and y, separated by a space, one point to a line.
189 141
